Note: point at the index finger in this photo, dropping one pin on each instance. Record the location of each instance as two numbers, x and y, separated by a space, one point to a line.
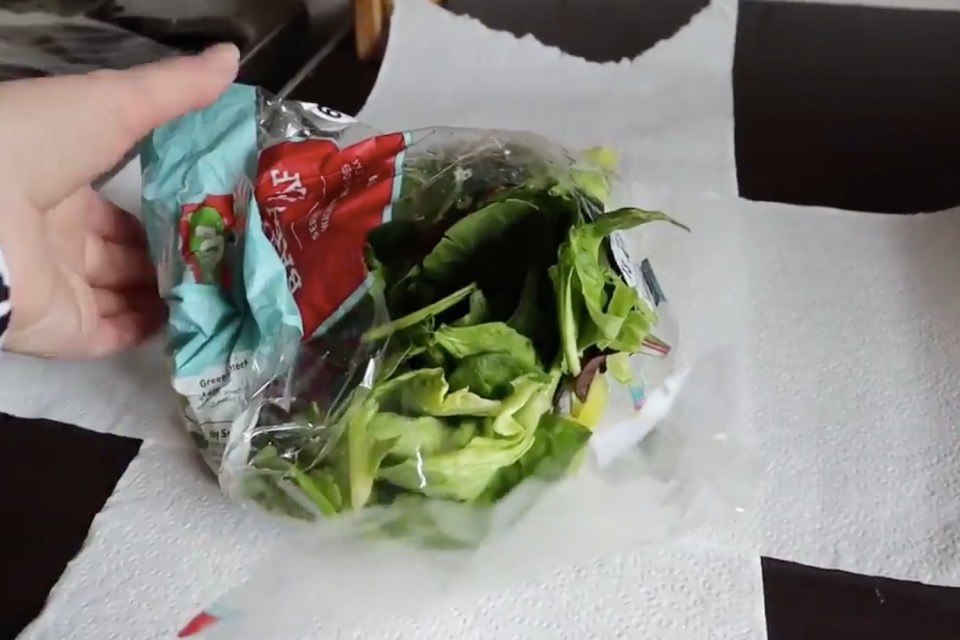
59 133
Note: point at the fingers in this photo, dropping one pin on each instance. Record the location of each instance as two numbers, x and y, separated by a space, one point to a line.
113 223
110 264
106 321
126 319
59 133
116 253
113 302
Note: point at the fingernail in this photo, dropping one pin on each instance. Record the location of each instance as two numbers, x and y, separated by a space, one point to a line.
225 55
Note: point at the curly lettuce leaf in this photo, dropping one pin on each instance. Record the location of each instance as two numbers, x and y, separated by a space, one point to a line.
464 474
557 448
615 315
360 453
425 392
595 179
412 436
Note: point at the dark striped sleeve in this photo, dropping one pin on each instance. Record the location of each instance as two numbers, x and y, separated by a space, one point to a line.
4 298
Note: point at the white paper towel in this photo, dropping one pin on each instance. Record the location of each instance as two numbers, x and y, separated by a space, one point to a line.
674 592
852 327
167 544
669 111
854 322
166 540
670 593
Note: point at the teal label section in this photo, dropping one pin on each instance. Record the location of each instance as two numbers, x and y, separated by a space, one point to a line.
224 283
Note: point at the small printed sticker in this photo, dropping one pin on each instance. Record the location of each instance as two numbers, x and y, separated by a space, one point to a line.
326 113
651 284
621 257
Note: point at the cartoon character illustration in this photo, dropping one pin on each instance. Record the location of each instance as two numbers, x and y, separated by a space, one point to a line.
207 231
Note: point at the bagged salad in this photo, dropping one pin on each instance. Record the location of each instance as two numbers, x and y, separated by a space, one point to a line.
393 336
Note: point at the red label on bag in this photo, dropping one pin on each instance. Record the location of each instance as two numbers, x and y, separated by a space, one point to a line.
318 203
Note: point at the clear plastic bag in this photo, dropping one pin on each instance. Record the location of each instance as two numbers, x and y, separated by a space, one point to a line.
424 346
687 468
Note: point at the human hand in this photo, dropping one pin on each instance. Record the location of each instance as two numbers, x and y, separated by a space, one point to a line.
81 281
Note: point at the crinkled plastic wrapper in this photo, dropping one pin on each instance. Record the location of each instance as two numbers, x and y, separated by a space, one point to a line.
431 351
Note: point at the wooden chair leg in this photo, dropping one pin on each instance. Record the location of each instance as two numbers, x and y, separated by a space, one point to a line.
370 26
369 23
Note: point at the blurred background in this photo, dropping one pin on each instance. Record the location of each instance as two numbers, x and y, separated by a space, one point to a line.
324 51
282 41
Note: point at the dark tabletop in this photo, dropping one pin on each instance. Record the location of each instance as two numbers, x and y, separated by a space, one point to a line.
834 105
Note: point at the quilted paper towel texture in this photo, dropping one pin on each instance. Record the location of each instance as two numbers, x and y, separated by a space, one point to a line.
166 540
848 326
669 111
850 329
671 592
855 359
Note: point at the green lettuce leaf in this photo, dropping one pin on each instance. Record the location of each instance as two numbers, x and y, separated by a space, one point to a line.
464 474
471 231
618 318
410 437
557 448
417 317
479 311
459 244
618 364
526 318
320 487
489 374
596 178
489 337
359 454
425 392
569 309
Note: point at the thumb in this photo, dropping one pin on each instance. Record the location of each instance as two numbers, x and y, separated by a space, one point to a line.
59 133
